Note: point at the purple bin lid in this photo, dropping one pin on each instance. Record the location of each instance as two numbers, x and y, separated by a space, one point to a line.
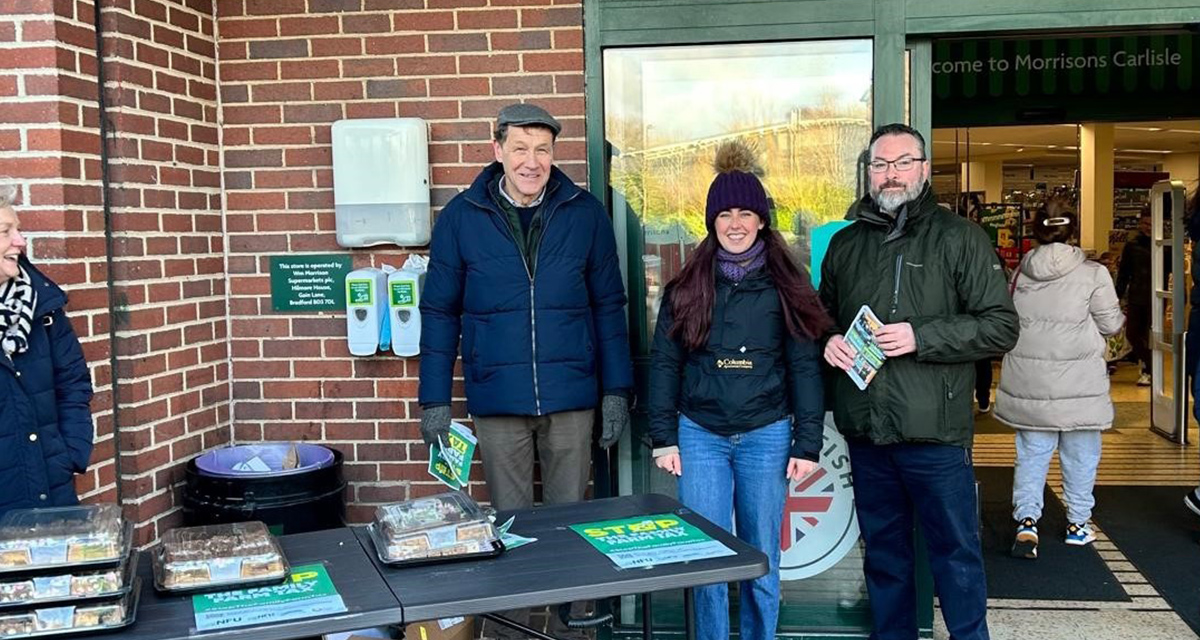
262 460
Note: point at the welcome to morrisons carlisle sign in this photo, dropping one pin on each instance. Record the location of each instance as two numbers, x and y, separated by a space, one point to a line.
1017 81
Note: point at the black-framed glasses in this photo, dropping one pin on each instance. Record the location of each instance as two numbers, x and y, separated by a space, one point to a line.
902 164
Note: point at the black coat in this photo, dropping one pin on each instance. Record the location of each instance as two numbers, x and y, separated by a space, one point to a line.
751 373
45 422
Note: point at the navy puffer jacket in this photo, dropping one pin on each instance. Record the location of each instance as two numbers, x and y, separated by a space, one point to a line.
530 346
45 422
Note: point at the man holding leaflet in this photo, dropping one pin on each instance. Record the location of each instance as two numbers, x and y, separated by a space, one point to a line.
935 283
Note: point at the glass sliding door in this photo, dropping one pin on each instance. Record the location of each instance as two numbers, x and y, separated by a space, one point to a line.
806 108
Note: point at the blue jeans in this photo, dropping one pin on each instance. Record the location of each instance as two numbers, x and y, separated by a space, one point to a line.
937 482
744 474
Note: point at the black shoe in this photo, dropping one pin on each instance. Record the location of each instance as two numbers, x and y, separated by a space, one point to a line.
1026 544
1192 501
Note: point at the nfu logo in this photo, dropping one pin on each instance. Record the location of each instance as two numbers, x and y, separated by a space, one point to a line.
819 525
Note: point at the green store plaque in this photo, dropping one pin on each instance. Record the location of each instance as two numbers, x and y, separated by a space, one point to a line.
309 283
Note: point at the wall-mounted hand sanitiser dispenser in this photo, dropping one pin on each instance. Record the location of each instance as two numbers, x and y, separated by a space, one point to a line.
381 182
404 299
366 309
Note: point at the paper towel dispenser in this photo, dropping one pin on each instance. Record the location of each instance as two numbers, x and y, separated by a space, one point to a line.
381 182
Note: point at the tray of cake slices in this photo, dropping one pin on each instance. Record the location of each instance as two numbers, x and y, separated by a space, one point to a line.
57 540
218 557
69 586
59 620
447 526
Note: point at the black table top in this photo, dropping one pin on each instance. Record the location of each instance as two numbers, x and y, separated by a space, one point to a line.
367 598
561 566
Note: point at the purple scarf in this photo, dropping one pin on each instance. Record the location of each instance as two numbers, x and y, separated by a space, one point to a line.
735 266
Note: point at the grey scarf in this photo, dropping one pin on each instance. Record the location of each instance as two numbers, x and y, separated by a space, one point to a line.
17 300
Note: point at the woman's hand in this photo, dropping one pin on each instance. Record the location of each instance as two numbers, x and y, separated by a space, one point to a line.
798 468
670 463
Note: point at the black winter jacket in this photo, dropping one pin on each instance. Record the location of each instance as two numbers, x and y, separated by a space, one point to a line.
45 422
1135 277
751 373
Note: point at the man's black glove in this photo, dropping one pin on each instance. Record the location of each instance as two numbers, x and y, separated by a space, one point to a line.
435 423
614 416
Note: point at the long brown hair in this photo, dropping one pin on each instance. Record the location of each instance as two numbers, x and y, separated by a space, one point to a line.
693 292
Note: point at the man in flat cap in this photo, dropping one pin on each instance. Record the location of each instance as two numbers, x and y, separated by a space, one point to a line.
523 266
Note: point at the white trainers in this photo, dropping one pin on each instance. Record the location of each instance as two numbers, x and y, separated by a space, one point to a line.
1080 534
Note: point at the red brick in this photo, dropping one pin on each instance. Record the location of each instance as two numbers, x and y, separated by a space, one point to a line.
522 85
323 47
430 109
490 19
249 28
349 90
310 200
275 7
397 44
454 42
425 21
309 25
369 23
279 92
501 63
425 65
553 61
569 83
240 71
253 114
457 86
450 131
371 110
568 39
296 69
556 17
368 68
520 40
312 113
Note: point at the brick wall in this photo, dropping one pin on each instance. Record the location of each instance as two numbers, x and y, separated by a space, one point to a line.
288 70
50 147
169 247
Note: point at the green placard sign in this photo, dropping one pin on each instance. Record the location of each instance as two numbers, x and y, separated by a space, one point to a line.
308 283
358 293
402 294
649 541
307 592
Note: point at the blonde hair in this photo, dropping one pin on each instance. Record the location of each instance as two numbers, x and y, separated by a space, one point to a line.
8 195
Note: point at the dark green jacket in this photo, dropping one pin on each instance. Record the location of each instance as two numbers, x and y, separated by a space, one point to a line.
938 272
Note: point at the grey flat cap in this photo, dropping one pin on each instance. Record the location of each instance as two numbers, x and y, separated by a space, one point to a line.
526 114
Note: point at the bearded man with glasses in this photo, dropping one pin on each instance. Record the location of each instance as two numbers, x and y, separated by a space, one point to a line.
936 283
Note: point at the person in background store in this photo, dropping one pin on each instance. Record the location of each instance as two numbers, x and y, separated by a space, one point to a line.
45 420
736 399
1192 346
523 266
1135 286
1054 388
936 283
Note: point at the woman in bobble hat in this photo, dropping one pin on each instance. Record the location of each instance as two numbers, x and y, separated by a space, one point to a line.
736 401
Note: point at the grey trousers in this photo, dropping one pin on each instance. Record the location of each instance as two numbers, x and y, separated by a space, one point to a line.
1079 453
564 448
